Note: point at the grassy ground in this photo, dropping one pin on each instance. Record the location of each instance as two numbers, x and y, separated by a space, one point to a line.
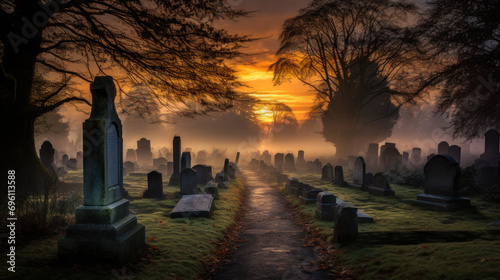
177 248
409 242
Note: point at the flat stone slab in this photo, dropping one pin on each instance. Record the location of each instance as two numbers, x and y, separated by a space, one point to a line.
440 202
362 217
193 206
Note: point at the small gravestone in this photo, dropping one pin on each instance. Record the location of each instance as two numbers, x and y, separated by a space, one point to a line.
289 163
443 147
64 160
175 178
406 156
325 206
359 174
317 166
155 185
226 166
143 152
201 157
131 156
279 161
415 159
170 167
158 161
71 164
231 170
188 181
203 174
309 196
346 225
390 158
213 189
130 166
185 160
104 228
301 162
381 186
339 175
193 206
327 173
47 157
442 174
219 177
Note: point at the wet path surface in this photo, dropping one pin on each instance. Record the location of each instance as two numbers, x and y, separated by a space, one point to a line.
272 247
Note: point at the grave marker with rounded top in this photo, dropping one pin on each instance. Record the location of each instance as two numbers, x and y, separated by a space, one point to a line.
381 186
359 174
104 229
443 147
47 156
185 160
155 185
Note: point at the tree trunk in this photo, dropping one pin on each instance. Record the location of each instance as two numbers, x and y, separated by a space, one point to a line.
344 145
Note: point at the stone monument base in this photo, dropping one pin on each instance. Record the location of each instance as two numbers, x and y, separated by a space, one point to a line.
441 202
381 191
113 236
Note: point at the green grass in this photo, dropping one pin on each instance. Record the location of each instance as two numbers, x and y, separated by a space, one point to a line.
409 242
182 244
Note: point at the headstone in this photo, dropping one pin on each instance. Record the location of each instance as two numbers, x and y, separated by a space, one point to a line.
359 174
346 225
443 147
131 155
158 161
372 157
219 177
390 159
79 160
203 174
279 161
289 163
406 156
226 167
455 152
339 175
491 145
416 158
174 179
266 157
327 173
325 206
212 189
237 158
231 170
104 228
185 160
194 206
71 164
155 185
47 157
201 157
442 174
381 186
309 196
188 181
301 162
64 160
317 166
143 152
130 166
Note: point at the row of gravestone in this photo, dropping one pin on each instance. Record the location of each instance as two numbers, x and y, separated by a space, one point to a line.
48 159
286 162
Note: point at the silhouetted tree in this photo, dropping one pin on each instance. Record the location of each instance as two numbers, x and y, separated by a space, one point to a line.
360 57
283 126
464 38
48 47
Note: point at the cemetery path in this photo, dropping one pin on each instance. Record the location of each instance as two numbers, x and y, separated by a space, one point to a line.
272 247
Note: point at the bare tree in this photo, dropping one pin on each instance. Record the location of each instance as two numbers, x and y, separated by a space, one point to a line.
48 48
357 56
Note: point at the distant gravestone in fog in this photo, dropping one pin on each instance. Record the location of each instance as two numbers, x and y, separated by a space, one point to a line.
125 172
289 162
359 173
406 156
163 169
158 161
79 160
372 157
317 166
226 169
201 157
64 160
351 160
219 177
301 162
130 166
175 178
455 152
203 174
155 185
327 173
188 181
443 147
416 157
279 161
390 158
212 189
325 206
185 160
131 156
381 186
104 229
339 175
71 164
143 152
442 174
47 156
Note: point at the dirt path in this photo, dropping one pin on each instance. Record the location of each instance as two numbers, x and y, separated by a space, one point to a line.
273 242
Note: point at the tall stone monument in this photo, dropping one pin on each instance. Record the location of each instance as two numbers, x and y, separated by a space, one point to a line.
176 175
104 228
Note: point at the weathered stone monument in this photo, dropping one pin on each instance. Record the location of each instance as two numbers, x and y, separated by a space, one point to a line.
443 147
175 178
327 173
346 225
203 174
104 228
158 161
390 158
279 161
359 174
325 206
131 155
185 160
201 157
339 175
64 160
381 186
289 163
415 159
301 162
144 154
188 181
155 185
130 166
47 156
441 185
